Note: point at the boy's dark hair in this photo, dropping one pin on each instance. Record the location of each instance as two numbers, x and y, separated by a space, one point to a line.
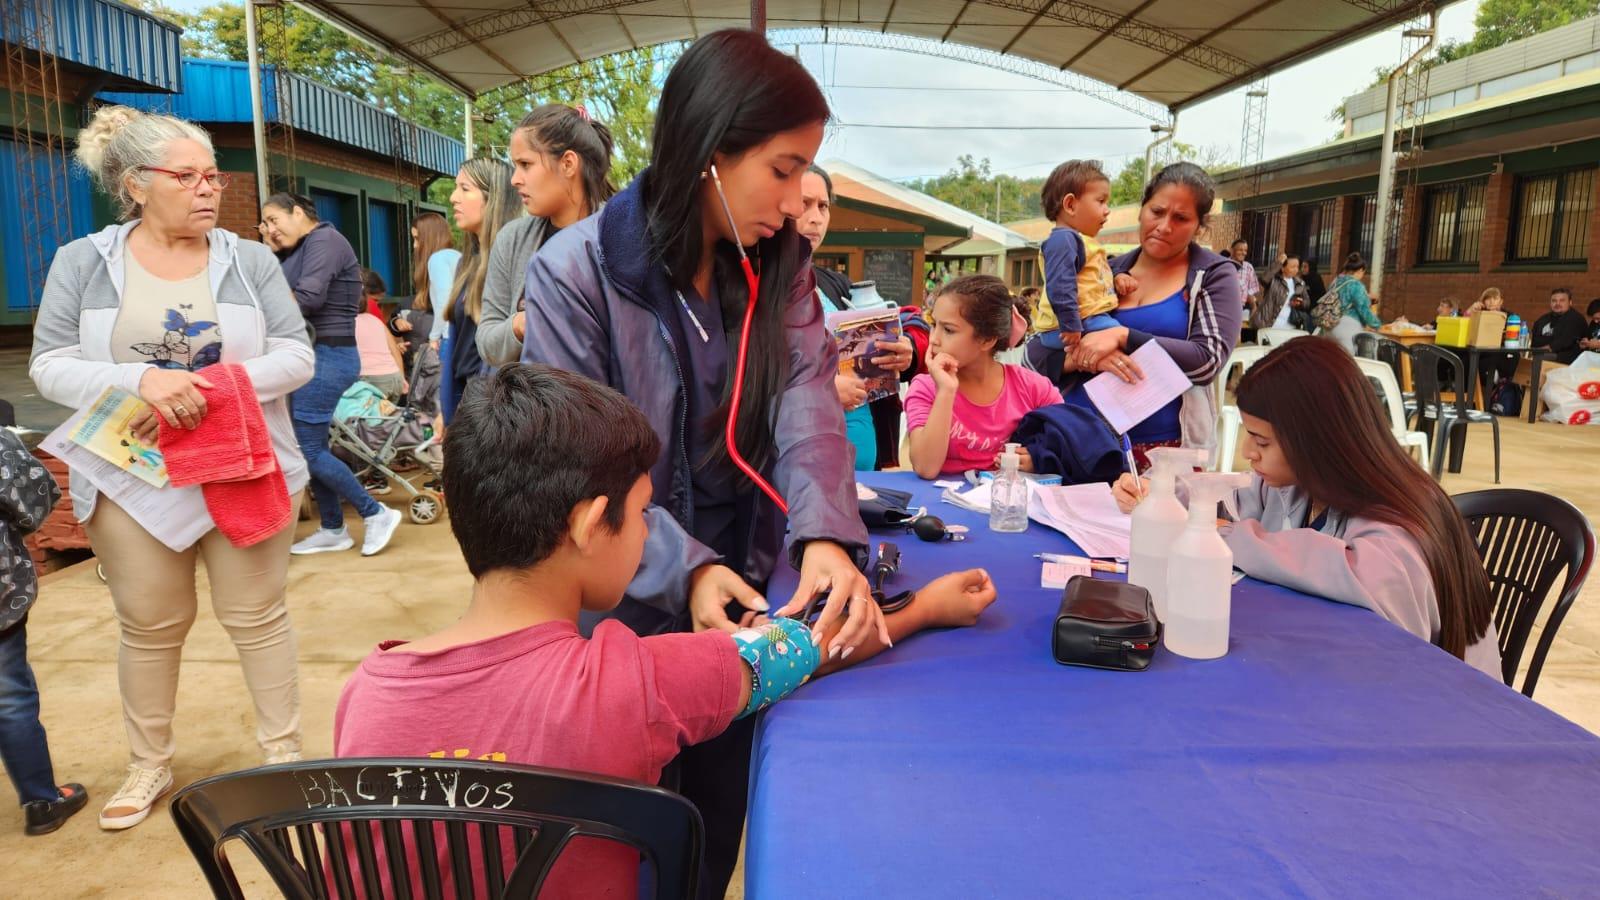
1028 293
1594 306
986 304
1071 177
527 445
372 283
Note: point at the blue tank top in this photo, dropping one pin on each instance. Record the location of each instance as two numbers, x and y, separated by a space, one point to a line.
1166 318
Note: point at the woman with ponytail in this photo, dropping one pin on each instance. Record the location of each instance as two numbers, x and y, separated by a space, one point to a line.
650 297
560 158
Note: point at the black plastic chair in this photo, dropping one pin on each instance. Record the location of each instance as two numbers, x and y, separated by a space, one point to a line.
1526 539
1366 345
432 811
1452 419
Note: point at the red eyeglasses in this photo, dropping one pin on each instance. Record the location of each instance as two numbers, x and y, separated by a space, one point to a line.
189 179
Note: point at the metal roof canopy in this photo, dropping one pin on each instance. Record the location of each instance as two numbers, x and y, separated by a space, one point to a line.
1173 53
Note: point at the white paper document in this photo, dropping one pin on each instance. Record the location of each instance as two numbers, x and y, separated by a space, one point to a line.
1087 513
175 516
1125 405
974 500
1057 574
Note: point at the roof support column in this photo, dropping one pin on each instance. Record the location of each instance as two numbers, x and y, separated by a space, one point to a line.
758 16
466 128
1386 157
258 119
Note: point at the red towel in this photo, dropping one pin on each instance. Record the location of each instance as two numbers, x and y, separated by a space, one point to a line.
230 455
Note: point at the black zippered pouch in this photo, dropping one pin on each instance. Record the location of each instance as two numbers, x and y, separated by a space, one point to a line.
1105 625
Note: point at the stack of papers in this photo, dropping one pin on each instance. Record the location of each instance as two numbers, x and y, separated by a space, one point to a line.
1087 513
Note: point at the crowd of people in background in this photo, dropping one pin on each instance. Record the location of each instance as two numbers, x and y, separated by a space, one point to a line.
620 503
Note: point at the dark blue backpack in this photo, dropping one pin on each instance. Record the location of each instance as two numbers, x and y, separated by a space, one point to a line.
1506 398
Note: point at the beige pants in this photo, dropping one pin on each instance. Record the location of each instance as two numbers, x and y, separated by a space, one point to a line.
153 589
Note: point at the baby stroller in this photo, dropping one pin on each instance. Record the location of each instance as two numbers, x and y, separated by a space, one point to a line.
377 437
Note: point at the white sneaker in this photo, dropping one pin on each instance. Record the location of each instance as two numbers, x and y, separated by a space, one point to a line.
283 752
380 529
131 803
324 541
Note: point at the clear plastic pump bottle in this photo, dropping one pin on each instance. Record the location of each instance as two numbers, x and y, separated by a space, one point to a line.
1008 495
1157 522
1200 572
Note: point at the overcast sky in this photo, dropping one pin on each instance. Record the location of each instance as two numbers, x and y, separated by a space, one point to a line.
905 89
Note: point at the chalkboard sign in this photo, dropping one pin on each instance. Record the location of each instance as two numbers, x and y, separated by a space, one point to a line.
891 269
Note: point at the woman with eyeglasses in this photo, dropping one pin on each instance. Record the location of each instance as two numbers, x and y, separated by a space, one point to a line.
143 306
322 270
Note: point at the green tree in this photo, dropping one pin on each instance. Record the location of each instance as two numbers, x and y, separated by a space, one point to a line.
619 90
1128 185
972 186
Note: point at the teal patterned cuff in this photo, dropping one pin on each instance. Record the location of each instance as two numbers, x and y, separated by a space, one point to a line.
781 657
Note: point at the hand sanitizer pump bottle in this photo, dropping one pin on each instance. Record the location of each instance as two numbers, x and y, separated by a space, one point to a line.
1157 522
1008 495
1200 572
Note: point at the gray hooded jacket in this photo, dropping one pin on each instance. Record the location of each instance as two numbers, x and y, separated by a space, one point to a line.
597 306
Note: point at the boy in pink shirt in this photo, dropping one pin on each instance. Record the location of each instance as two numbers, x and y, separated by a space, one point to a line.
960 415
547 474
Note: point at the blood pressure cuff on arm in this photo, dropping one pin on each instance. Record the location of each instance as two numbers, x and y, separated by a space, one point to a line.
781 657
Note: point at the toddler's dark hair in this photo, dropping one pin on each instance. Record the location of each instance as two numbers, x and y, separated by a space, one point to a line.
1071 177
372 283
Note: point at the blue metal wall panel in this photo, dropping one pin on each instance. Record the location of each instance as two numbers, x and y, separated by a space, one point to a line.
139 49
383 237
27 241
219 91
330 207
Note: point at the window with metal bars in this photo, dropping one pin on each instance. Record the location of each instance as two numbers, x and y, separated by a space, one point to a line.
1452 223
1365 221
1261 231
1311 227
1550 217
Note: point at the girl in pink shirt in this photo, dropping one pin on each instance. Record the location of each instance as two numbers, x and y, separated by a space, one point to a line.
960 415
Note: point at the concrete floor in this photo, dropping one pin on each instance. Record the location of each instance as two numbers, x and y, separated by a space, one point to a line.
343 604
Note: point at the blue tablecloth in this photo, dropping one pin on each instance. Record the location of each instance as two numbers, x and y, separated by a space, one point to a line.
1328 754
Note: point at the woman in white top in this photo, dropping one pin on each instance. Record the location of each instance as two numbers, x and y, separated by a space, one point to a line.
141 306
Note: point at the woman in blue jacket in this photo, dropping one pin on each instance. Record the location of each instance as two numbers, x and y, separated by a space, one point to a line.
322 270
650 297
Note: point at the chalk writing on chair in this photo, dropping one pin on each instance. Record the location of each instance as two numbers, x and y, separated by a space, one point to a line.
419 785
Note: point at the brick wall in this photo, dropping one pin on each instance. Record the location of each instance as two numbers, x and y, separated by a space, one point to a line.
1417 292
238 212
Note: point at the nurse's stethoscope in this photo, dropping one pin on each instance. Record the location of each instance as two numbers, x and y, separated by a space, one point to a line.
754 284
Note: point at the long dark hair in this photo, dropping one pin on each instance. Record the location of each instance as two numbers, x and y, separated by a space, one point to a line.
1338 442
555 128
729 92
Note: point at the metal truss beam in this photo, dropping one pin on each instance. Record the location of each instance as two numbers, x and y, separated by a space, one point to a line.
977 56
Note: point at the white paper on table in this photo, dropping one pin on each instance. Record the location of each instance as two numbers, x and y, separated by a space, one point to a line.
1125 405
974 500
1057 574
1087 513
175 516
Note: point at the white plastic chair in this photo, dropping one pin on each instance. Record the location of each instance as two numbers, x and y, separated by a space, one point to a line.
1382 374
1272 337
1228 421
